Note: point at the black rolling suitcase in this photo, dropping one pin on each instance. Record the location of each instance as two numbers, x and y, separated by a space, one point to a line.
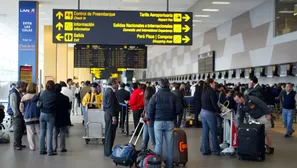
251 142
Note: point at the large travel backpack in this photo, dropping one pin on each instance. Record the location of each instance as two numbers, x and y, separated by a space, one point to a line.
4 137
125 155
148 159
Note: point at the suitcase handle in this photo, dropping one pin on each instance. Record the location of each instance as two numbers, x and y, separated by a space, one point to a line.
138 125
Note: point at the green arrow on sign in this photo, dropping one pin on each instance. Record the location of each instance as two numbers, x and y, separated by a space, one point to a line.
59 37
59 26
59 15
186 39
186 17
186 28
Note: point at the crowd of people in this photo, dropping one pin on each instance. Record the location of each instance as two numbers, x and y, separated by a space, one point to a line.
44 113
158 107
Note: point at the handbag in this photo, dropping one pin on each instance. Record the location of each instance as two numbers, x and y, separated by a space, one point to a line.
39 103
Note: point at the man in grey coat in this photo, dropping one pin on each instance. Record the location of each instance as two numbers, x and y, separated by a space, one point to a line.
14 100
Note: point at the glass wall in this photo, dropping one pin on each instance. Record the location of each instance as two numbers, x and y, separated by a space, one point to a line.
8 59
285 16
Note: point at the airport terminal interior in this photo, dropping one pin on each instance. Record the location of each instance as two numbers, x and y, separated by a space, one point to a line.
237 45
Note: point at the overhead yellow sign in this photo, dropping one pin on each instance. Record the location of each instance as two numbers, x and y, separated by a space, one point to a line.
122 27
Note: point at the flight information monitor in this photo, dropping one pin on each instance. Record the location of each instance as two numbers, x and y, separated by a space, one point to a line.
206 62
110 56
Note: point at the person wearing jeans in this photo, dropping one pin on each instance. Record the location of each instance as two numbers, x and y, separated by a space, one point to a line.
47 104
209 124
47 122
209 114
148 130
289 100
162 111
164 129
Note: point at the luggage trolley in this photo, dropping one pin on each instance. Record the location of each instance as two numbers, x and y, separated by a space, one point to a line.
189 100
94 124
230 132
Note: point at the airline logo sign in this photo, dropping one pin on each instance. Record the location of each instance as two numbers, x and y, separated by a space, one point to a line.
122 27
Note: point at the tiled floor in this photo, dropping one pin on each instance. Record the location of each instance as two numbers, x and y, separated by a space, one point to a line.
81 155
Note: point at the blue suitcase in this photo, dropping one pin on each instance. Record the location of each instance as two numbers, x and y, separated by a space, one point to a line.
125 155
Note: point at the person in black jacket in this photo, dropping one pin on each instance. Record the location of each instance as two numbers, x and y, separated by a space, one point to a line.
163 109
255 89
122 96
197 101
209 113
178 93
62 119
111 109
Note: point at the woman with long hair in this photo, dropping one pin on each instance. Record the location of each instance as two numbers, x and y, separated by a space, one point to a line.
148 130
197 101
31 114
209 112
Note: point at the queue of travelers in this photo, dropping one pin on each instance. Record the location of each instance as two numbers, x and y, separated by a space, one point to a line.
45 114
160 107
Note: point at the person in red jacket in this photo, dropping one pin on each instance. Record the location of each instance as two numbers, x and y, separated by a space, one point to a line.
137 104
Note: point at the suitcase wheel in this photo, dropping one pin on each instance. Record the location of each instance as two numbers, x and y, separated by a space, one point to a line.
87 141
260 159
103 141
239 158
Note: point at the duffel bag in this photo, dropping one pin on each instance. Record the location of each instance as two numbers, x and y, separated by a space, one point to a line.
152 161
4 138
141 156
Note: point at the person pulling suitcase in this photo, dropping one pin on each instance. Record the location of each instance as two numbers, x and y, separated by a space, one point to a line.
258 112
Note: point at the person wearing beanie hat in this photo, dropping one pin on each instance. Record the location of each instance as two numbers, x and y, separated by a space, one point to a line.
93 97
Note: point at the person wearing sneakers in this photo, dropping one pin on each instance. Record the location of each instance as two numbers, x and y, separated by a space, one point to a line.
289 100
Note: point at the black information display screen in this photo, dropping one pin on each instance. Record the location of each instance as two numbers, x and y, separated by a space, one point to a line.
110 56
122 27
206 62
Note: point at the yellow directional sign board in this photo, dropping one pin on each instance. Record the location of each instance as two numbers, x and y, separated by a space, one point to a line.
122 27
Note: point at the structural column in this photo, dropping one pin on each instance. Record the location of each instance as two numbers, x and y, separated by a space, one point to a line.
50 57
62 62
28 41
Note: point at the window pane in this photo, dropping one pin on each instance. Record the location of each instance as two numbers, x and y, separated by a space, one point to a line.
285 17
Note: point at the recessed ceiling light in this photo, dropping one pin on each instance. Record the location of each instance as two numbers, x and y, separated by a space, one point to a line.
194 25
197 21
204 16
285 11
210 10
221 3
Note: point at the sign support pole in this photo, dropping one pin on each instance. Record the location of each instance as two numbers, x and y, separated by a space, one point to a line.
78 4
167 5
